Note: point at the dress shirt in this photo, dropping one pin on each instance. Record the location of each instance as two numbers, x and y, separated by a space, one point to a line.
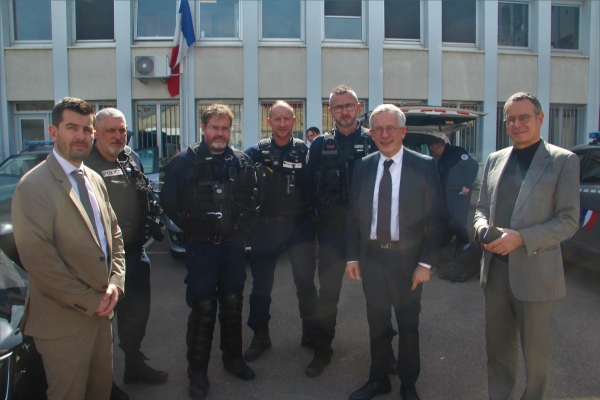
69 168
396 172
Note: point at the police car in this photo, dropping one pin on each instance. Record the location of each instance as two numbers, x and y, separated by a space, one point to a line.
583 248
15 166
11 171
425 124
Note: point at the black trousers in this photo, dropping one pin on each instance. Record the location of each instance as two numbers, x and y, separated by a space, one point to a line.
385 285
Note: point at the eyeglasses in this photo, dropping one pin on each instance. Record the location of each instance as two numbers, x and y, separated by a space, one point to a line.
389 129
223 129
523 119
348 107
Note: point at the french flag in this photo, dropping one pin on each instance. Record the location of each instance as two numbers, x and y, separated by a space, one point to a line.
589 218
184 38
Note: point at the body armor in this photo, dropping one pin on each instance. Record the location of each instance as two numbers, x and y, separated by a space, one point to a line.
220 201
123 180
284 193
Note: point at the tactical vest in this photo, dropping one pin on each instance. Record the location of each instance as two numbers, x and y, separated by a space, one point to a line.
121 179
284 192
334 174
220 199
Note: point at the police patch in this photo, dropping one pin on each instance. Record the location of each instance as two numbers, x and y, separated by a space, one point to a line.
464 157
287 164
359 146
112 172
329 152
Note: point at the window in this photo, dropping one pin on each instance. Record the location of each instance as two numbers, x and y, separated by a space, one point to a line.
502 138
566 125
265 129
513 24
152 118
565 28
31 121
94 20
468 138
459 21
220 19
32 20
590 173
403 19
343 20
281 19
328 121
236 140
155 19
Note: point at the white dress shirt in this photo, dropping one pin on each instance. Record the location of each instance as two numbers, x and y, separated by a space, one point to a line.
69 168
396 172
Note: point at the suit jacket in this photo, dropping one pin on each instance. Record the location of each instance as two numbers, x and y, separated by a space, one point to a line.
421 215
59 249
546 213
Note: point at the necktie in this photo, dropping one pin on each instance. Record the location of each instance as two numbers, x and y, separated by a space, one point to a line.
85 198
384 205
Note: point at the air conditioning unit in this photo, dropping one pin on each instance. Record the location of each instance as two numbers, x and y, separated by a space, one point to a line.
153 66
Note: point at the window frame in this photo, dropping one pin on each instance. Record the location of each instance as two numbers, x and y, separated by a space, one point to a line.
279 41
135 128
579 6
460 45
87 42
12 26
363 27
408 42
148 38
529 21
223 40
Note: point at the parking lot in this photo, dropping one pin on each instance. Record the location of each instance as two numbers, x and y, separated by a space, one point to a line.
452 342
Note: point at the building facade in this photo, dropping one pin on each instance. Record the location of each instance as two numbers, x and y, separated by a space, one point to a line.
248 53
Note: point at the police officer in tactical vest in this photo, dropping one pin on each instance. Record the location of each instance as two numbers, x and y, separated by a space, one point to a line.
329 176
458 171
139 218
211 193
283 223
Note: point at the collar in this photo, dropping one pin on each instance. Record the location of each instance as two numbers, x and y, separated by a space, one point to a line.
397 157
65 165
358 130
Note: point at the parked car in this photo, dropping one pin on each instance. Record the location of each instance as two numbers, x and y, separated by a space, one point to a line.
15 166
22 373
583 248
11 171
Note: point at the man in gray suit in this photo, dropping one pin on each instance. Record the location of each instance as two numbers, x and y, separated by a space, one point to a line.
530 192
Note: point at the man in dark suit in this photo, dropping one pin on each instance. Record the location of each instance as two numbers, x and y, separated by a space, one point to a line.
69 241
530 192
394 228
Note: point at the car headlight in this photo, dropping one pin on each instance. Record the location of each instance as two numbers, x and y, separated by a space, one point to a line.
24 364
6 228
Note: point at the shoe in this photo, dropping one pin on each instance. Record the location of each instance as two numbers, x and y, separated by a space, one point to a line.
239 368
306 340
136 370
199 384
321 359
117 394
261 342
393 366
409 393
372 389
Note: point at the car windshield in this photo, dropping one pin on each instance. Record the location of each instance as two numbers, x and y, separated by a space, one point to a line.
10 172
13 286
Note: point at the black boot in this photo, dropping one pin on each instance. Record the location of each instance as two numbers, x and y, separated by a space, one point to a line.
321 359
260 342
306 340
136 370
230 317
201 325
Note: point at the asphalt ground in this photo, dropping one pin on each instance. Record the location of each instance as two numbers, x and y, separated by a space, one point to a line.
453 361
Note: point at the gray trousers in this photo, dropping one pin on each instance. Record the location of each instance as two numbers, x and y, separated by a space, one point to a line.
506 317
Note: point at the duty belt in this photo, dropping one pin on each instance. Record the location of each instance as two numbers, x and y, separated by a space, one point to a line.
391 245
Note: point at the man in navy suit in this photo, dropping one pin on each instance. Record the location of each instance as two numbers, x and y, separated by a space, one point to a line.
394 228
